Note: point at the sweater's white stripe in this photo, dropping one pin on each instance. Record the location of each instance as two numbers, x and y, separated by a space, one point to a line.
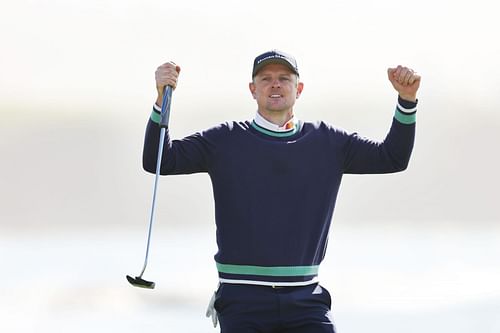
404 110
271 284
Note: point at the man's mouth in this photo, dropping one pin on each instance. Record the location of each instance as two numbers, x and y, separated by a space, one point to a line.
275 96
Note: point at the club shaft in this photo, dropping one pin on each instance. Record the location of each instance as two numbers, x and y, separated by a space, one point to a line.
153 206
165 115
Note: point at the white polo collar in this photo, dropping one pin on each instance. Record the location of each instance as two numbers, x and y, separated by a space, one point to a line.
264 123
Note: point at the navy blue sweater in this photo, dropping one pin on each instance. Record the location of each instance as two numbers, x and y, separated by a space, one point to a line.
275 196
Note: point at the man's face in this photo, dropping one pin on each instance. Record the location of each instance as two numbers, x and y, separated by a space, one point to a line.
275 88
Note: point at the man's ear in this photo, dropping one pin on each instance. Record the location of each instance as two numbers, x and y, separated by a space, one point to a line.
251 86
300 87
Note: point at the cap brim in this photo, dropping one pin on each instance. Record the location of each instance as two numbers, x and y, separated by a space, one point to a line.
266 62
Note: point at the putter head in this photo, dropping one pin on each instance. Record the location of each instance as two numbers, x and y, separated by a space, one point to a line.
140 282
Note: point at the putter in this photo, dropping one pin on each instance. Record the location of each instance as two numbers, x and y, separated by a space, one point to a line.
138 281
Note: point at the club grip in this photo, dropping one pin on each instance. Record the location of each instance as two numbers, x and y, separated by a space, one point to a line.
165 106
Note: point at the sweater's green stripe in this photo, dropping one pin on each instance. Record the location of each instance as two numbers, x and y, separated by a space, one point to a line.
276 134
268 271
156 117
404 118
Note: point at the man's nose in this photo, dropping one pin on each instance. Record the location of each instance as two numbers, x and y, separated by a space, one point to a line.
276 83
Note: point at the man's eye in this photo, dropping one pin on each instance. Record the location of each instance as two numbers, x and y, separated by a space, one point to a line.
285 79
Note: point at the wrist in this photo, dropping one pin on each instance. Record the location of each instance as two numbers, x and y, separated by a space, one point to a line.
159 100
409 98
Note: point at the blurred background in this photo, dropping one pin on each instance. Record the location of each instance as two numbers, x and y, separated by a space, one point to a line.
416 251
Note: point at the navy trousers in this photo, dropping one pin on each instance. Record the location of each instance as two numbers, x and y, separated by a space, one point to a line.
261 309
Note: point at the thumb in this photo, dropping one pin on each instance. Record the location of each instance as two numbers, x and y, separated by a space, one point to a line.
177 67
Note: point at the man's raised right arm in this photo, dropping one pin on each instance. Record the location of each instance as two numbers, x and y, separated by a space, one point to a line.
189 155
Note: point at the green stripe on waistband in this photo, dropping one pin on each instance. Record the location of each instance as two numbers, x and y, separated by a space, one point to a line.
405 118
268 271
155 116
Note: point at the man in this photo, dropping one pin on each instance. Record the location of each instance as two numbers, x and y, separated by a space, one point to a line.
275 180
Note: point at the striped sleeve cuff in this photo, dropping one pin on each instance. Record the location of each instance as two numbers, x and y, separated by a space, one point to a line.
156 114
406 111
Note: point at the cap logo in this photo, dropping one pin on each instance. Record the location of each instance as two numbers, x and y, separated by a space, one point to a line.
273 56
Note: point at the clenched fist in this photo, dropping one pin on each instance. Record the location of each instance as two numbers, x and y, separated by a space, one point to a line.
166 75
405 81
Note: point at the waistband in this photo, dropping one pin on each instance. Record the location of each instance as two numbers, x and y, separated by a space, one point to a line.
268 275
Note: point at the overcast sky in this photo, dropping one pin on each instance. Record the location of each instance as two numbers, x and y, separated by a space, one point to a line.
94 52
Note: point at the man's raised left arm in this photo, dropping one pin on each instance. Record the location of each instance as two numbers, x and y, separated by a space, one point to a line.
393 153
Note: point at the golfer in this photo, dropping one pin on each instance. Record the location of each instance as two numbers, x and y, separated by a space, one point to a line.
275 180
